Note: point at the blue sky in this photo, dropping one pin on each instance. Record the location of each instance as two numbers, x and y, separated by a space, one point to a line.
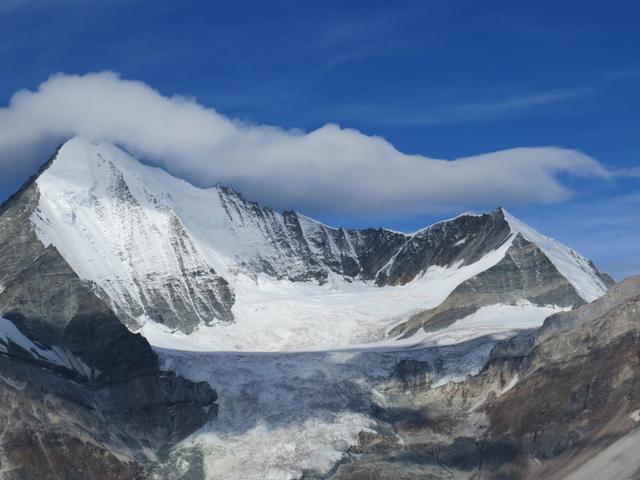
440 79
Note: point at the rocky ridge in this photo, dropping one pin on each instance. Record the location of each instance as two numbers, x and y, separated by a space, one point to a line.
545 403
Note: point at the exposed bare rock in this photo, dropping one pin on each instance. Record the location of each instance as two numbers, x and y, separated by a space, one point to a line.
544 404
525 273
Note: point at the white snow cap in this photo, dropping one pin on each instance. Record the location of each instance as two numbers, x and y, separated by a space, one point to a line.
577 269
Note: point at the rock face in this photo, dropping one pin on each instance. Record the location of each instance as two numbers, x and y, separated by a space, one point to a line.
545 403
52 436
72 375
525 273
391 258
112 419
155 248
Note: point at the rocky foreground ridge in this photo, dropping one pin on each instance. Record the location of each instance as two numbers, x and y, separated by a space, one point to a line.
559 402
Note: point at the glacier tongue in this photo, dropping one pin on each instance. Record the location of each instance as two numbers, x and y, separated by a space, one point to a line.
282 415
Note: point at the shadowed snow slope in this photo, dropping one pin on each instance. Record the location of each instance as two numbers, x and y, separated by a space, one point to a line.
206 269
284 414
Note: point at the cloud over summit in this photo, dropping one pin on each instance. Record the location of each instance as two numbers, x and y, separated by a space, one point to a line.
332 170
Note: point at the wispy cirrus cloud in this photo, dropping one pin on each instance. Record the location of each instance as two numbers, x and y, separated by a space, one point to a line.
480 111
626 172
464 112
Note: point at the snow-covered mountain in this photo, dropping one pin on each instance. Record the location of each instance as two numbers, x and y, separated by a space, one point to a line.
206 264
401 339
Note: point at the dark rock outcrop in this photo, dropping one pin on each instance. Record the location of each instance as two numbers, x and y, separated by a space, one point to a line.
525 273
377 255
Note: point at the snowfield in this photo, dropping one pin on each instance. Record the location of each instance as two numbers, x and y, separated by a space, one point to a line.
337 321
276 315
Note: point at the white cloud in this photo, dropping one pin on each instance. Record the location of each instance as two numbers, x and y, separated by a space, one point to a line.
627 172
332 170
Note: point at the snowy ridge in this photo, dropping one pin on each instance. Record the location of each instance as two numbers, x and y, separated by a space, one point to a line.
119 231
577 269
424 229
225 273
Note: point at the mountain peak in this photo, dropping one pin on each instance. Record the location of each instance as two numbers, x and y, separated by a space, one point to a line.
588 282
80 150
162 251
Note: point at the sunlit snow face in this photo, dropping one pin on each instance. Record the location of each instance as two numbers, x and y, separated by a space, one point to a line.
110 217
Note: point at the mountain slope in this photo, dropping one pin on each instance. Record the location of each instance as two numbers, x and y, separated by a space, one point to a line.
163 252
557 403
524 274
425 377
72 376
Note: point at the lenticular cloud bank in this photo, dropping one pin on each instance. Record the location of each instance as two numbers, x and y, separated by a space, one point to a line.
333 170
